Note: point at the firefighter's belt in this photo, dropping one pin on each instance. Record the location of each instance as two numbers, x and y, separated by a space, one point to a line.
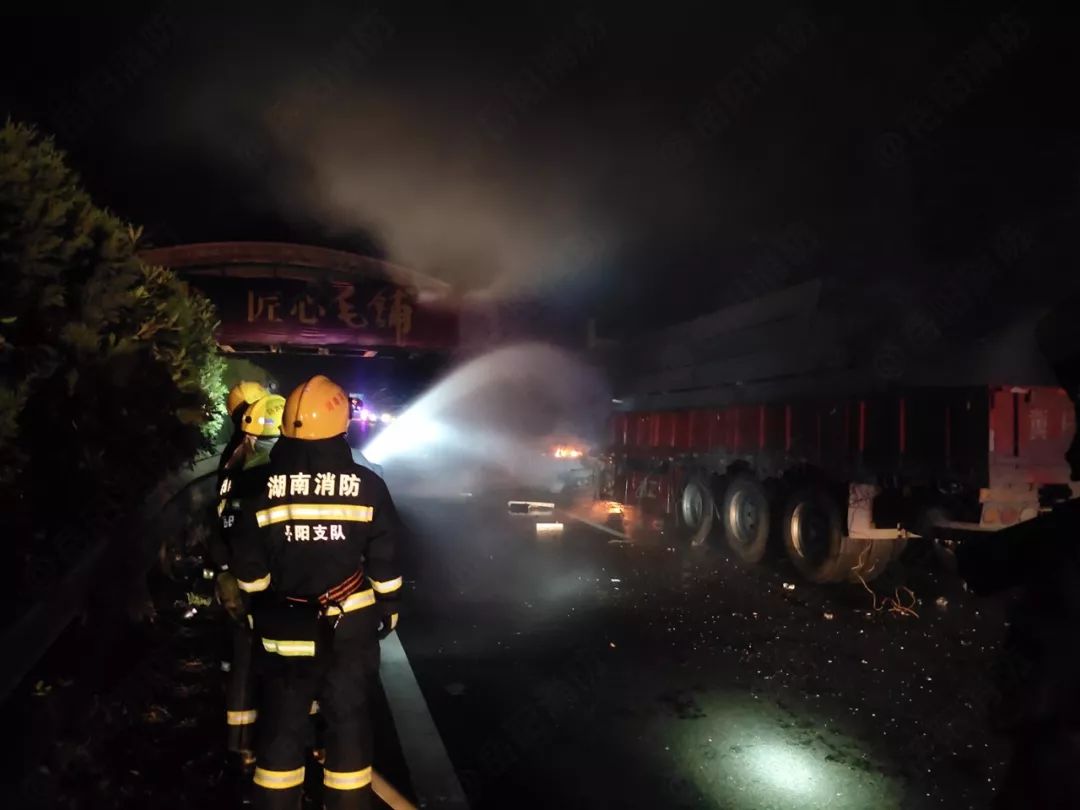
344 597
305 647
354 601
296 626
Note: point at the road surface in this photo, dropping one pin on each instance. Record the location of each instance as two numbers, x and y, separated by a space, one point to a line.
580 671
571 670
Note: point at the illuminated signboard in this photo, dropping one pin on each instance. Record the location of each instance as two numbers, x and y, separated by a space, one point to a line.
284 311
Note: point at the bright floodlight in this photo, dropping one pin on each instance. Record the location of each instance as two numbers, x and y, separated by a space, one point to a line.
786 767
752 756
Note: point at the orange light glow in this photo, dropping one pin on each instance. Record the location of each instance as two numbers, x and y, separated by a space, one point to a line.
564 451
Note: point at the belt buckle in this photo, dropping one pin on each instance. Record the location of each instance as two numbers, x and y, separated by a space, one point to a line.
341 612
328 603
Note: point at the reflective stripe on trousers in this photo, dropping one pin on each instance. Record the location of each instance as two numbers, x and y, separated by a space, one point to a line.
279 780
244 718
278 789
240 714
340 683
347 780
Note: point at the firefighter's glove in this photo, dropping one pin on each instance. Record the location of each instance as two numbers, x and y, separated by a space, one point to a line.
229 596
389 623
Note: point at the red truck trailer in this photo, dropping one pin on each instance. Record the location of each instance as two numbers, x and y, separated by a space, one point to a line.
836 466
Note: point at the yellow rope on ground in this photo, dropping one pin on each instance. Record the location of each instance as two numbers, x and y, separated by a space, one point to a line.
893 604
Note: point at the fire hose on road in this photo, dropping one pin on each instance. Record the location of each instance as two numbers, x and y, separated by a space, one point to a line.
389 794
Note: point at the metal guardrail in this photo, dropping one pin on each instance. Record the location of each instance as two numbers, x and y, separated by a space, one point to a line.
33 633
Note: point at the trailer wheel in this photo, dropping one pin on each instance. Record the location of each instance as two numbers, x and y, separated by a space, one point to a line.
745 518
695 510
814 536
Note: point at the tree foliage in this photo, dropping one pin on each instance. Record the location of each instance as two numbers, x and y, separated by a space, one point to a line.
109 374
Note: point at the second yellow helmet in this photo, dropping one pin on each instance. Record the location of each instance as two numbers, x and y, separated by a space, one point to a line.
318 409
263 418
244 392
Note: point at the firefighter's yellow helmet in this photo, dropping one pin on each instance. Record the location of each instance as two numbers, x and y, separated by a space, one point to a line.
244 392
263 418
318 409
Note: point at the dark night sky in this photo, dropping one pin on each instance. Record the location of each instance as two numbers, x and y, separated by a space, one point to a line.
640 162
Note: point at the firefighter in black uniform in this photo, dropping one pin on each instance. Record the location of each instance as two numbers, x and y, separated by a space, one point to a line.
240 396
318 542
260 426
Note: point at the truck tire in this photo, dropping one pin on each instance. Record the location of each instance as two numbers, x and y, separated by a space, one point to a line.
694 511
814 535
745 518
814 538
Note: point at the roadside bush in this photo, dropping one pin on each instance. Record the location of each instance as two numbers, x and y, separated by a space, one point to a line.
109 374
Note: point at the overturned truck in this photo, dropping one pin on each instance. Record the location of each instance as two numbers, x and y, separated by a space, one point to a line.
757 421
